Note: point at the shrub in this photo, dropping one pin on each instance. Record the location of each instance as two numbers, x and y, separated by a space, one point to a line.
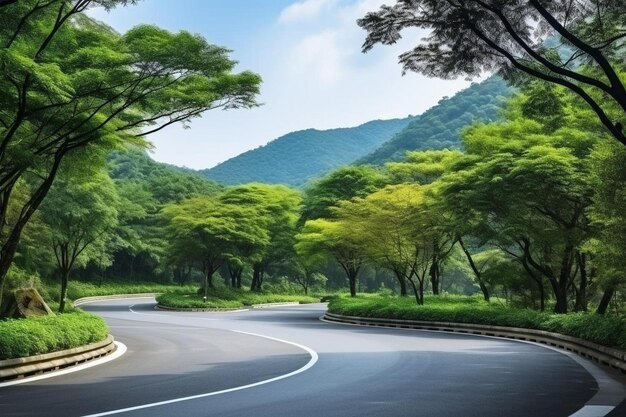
603 330
223 297
37 335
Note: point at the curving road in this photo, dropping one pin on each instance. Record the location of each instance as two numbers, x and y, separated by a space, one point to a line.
264 363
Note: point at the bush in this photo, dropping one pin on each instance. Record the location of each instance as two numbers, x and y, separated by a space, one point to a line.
603 330
224 297
80 289
37 335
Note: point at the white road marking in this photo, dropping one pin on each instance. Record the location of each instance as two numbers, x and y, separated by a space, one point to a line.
121 349
309 364
593 411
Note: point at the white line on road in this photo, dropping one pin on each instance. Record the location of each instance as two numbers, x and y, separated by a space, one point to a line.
121 349
309 364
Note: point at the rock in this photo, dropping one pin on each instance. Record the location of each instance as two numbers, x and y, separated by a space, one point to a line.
30 303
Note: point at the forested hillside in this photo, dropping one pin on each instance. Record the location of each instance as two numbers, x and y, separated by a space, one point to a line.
297 157
439 127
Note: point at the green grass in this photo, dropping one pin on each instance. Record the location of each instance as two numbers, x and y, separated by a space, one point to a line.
79 289
37 335
608 331
228 298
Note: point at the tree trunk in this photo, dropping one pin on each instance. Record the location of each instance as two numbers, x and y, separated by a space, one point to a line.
64 274
257 277
402 281
477 272
606 299
434 275
581 294
352 281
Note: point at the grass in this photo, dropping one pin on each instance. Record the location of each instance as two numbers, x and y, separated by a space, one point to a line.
79 289
228 298
604 330
37 335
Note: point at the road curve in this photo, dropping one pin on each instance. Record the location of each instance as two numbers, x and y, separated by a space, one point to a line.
230 364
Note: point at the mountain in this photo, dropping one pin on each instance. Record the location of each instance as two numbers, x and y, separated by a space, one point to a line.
298 157
166 183
439 126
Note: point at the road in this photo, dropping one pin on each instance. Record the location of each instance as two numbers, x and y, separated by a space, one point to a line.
359 371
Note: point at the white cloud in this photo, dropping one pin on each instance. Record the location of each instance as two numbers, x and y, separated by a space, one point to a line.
305 10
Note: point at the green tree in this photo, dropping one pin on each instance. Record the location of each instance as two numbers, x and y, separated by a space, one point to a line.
276 209
333 239
69 82
80 214
209 231
394 228
470 37
343 184
607 212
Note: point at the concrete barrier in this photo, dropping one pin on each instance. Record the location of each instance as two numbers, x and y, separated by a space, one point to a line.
270 305
613 358
32 365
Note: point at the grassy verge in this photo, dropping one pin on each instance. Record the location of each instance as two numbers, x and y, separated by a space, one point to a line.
37 335
607 331
79 289
228 298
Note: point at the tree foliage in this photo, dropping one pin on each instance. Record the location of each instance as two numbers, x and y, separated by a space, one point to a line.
472 37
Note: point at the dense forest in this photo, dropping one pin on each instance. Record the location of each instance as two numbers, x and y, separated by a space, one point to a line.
298 157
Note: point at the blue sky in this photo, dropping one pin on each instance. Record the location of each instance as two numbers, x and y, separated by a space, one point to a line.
308 53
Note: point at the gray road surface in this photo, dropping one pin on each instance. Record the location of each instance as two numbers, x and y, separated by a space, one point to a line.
361 371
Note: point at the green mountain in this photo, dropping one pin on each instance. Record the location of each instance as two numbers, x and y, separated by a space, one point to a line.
166 183
439 126
298 157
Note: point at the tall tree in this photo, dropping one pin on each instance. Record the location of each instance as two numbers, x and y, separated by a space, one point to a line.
276 208
69 82
333 239
80 214
470 37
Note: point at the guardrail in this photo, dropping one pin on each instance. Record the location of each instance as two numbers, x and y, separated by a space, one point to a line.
613 358
32 365
85 300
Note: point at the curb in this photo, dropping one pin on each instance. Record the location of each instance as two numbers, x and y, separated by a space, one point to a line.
610 357
216 310
85 300
32 365
270 305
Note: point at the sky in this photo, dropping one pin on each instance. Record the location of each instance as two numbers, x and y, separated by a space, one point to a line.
308 53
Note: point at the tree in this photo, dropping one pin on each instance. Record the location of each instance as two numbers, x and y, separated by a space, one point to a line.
80 214
69 82
333 239
342 184
276 210
394 228
548 40
607 212
209 231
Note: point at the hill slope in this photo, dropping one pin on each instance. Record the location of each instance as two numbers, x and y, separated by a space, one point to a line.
439 126
297 157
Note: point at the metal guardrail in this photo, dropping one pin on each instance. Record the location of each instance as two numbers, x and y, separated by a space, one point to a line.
85 300
33 365
611 357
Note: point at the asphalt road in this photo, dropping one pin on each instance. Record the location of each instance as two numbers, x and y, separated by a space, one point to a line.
361 371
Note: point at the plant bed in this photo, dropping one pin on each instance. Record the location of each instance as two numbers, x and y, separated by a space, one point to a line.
40 335
227 299
604 330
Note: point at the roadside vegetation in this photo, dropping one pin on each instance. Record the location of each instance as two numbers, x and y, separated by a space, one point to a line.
603 330
225 298
38 335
